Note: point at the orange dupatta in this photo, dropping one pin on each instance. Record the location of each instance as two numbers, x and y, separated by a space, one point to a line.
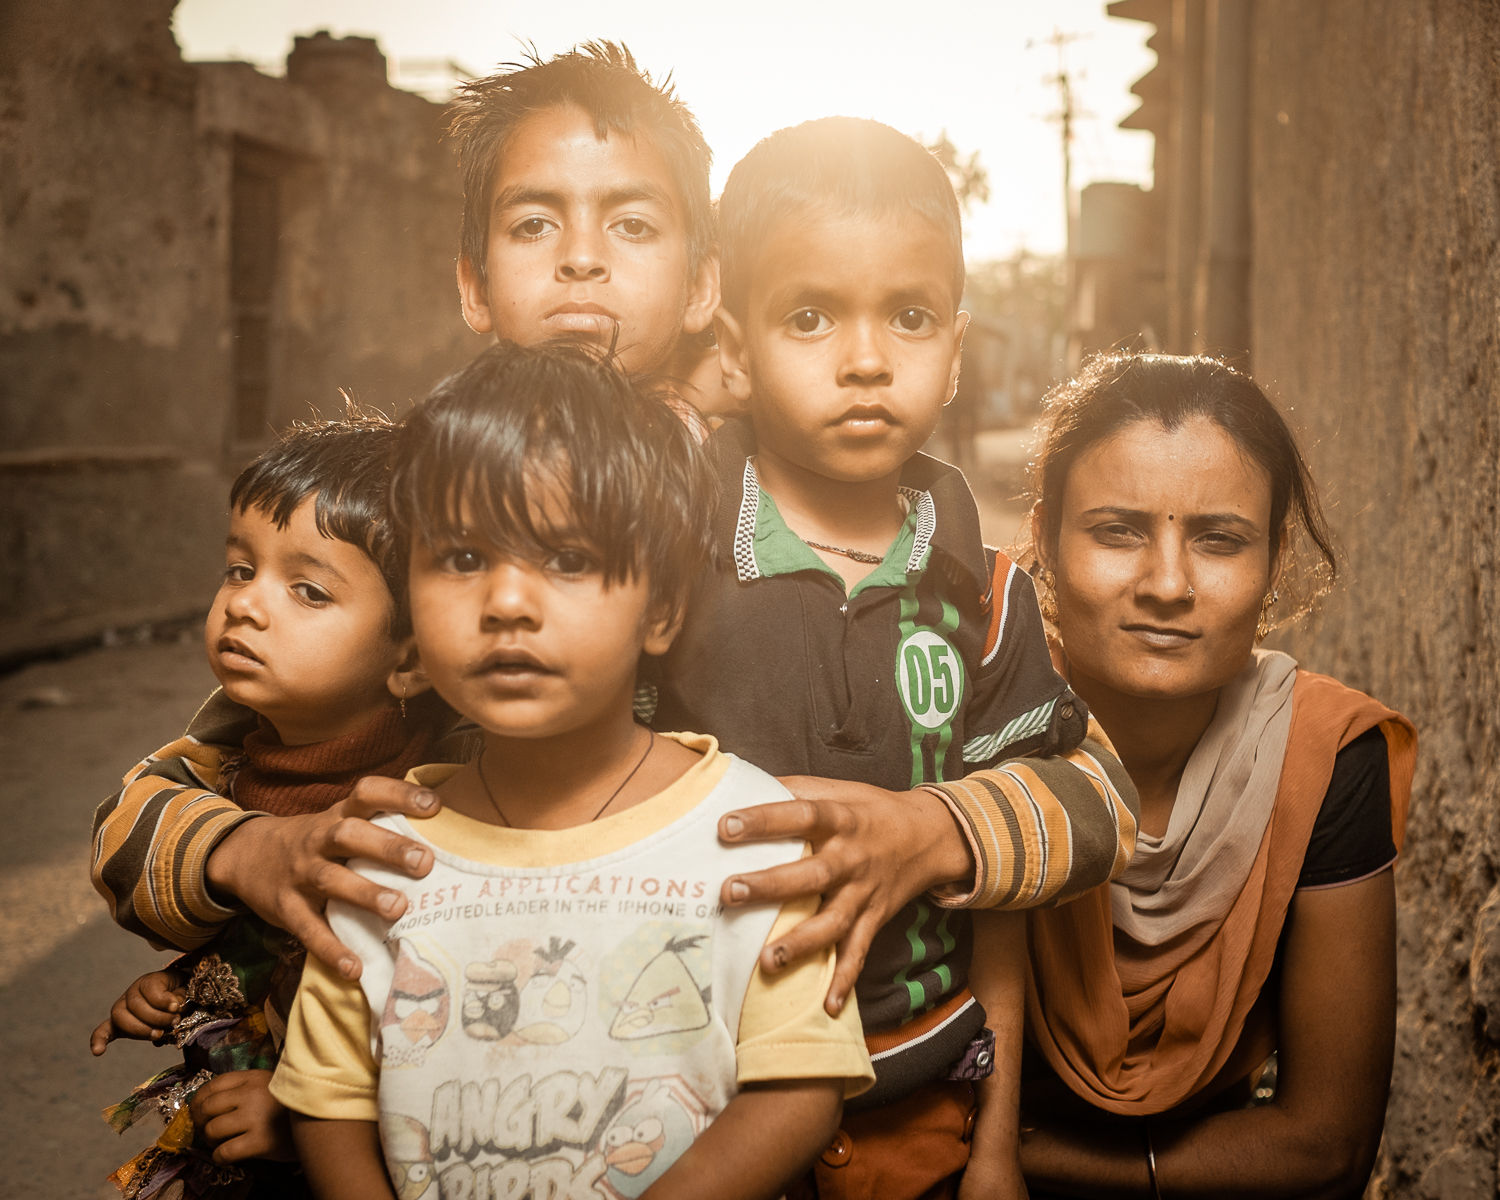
1133 1040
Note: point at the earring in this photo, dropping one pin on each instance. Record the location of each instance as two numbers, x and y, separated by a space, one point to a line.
403 699
1264 624
1046 595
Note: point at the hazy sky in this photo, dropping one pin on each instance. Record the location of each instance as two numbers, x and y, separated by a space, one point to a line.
978 68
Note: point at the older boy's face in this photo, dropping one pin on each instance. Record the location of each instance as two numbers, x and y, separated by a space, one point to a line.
848 347
588 239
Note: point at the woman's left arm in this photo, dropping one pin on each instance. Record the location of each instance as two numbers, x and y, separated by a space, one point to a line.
1337 1014
1337 1017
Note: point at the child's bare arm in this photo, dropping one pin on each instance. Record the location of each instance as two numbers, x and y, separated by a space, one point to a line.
998 978
765 1137
342 1159
144 1010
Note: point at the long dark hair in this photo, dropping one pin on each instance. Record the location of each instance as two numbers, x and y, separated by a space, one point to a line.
1115 390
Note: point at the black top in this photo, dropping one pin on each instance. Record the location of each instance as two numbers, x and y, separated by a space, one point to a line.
1352 835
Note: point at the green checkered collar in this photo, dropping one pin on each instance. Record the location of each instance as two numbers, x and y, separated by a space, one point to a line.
764 545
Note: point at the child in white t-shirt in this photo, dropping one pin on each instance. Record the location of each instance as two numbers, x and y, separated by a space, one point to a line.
563 1008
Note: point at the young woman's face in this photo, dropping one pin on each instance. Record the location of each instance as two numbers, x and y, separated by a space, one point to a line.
1162 560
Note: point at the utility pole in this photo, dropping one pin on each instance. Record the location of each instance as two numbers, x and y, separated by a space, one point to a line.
1066 114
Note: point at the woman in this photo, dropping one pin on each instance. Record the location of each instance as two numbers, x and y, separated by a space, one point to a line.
1258 913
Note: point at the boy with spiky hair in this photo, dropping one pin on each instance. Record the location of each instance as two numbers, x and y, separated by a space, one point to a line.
586 216
586 207
858 629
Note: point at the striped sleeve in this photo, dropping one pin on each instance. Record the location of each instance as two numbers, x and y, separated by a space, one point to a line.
1043 830
152 839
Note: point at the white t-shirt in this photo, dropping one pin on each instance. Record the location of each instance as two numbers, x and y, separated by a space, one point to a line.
564 1010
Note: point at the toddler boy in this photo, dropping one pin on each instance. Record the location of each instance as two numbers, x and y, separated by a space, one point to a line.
308 631
857 627
564 1009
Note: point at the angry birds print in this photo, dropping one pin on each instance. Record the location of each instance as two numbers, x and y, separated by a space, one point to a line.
416 1012
408 1156
552 1005
491 999
646 1138
664 997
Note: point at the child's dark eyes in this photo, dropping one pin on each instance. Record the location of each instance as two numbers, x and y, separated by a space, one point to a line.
310 593
572 562
461 561
531 227
915 320
635 227
807 321
239 573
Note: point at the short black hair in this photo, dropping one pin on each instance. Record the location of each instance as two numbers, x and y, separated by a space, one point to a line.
603 80
469 458
345 463
847 166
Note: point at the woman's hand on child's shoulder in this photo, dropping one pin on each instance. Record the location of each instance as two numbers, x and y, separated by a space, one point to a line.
286 869
145 1010
873 850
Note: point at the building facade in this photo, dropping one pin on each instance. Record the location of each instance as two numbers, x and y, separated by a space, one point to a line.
192 255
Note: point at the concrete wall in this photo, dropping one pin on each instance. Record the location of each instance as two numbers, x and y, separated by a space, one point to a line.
118 334
1375 313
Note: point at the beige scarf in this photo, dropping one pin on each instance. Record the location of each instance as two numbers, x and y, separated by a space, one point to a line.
1179 886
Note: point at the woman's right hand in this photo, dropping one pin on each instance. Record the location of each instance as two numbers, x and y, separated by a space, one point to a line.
286 869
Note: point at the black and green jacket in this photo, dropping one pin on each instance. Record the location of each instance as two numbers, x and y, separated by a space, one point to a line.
933 666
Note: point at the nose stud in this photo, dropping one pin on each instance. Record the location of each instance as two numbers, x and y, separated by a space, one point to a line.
1190 592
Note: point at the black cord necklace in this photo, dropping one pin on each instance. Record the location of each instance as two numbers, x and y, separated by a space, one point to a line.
504 820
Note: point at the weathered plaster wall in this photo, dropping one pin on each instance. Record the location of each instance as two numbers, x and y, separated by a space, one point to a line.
107 331
117 432
1375 294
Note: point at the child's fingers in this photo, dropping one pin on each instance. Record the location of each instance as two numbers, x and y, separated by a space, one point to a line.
238 1116
126 1022
103 1034
237 1147
234 1089
147 1014
310 927
378 793
789 881
165 990
799 819
286 869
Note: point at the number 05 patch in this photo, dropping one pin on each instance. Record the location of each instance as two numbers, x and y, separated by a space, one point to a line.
930 678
